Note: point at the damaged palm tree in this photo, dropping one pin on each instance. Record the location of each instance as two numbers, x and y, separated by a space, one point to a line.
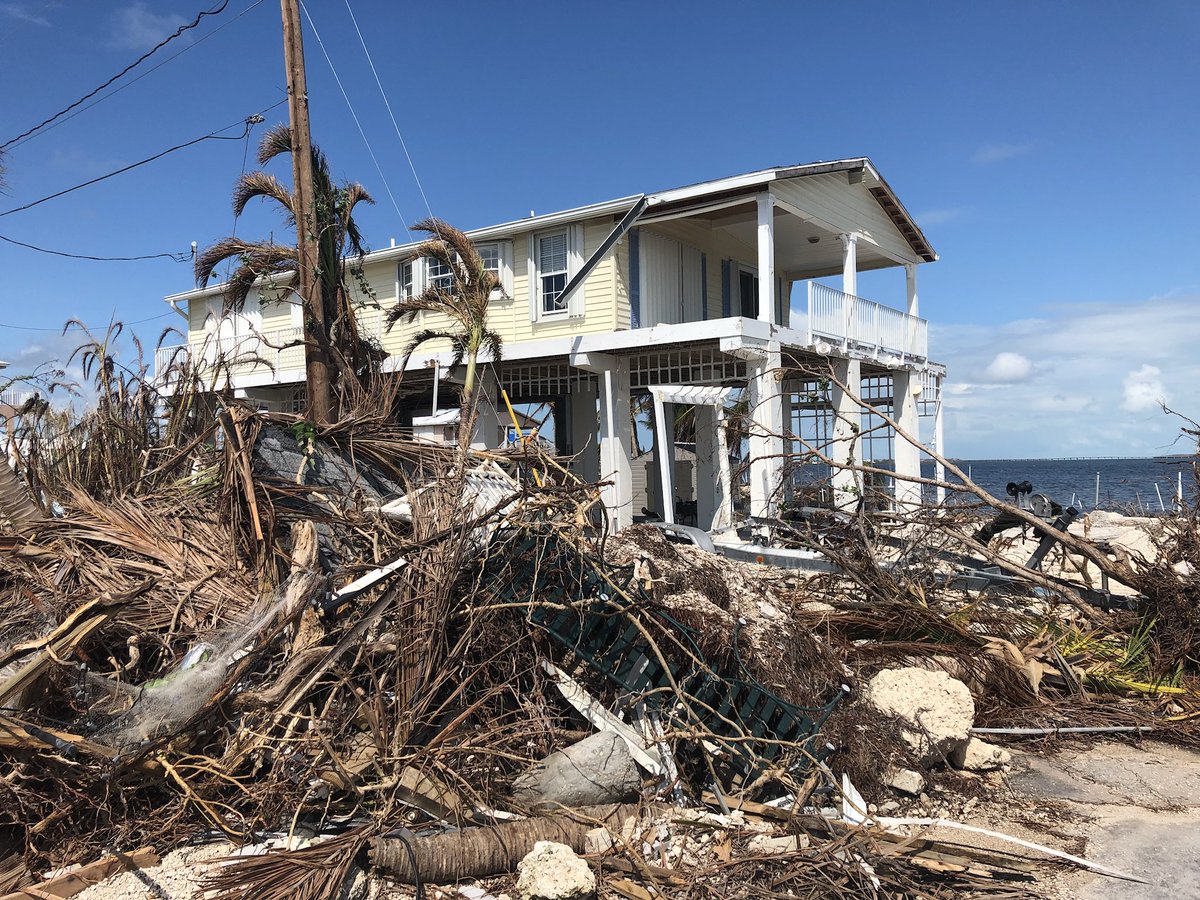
354 357
462 296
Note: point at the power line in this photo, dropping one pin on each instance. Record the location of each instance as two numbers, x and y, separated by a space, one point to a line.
249 122
145 56
17 142
178 257
354 115
60 328
388 104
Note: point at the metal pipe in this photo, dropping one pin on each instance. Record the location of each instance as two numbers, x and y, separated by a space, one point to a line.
1097 729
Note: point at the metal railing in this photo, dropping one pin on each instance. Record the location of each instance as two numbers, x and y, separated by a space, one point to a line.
852 322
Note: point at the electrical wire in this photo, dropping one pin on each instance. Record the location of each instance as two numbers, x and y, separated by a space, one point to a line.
17 142
88 327
354 115
178 257
145 56
388 104
249 122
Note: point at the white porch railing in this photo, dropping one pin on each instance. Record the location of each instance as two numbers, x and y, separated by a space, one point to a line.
852 322
14 398
240 354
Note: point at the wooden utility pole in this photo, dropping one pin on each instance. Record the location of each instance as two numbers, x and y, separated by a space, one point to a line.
316 338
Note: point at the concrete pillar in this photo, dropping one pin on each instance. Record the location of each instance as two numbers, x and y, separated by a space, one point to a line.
708 488
487 433
766 434
846 449
766 258
583 430
664 456
907 454
616 434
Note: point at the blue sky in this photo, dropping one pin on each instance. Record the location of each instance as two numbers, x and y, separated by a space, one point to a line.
1048 150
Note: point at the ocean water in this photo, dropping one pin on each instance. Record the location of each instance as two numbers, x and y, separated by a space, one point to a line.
1127 485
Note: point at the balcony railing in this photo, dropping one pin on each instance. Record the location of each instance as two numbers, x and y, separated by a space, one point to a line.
851 322
278 350
15 398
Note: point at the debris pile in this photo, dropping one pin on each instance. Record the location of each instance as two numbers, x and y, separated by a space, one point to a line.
439 669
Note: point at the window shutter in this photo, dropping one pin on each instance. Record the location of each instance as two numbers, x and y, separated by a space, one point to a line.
635 279
726 290
575 303
418 275
533 283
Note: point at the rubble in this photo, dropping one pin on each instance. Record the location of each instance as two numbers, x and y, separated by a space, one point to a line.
424 665
599 769
937 710
553 872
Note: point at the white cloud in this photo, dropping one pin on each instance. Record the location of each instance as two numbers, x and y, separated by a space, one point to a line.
996 153
1088 391
136 27
24 12
1144 390
1008 367
939 216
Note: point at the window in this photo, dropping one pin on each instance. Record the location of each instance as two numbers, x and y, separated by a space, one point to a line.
438 274
551 250
406 278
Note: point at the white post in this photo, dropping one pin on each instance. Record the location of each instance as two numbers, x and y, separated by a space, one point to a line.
766 433
844 451
616 464
706 465
849 264
766 258
939 446
906 454
910 278
585 445
486 434
664 450
723 518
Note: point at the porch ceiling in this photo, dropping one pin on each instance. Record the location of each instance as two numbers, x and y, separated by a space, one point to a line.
796 253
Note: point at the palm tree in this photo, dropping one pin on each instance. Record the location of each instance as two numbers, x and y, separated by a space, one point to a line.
336 234
465 302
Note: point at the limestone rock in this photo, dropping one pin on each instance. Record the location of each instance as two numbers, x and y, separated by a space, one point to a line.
769 845
906 781
598 840
937 711
552 871
599 769
975 755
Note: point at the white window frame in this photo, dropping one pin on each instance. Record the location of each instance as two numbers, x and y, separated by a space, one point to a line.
504 267
575 305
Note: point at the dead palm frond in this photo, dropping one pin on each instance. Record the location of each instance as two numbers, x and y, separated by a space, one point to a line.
465 303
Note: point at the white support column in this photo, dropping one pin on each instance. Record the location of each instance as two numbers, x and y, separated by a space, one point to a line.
585 433
766 433
846 448
939 446
616 435
486 434
766 258
849 264
706 465
907 454
664 453
910 283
